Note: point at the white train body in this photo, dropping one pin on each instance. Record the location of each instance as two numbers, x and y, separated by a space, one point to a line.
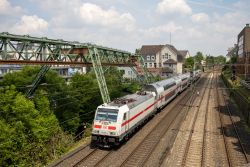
113 121
118 119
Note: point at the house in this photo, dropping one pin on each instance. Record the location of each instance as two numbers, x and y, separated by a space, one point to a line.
243 58
127 73
163 60
184 53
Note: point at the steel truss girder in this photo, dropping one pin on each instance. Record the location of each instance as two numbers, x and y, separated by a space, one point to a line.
96 60
27 48
24 49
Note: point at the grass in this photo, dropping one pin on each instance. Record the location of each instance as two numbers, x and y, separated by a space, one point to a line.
236 87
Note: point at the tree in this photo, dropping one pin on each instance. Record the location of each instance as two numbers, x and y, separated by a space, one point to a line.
63 102
219 60
27 130
137 51
189 63
210 61
22 79
198 57
233 59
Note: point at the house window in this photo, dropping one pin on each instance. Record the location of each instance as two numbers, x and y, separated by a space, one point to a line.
163 56
159 64
169 56
150 64
152 57
148 57
155 65
145 64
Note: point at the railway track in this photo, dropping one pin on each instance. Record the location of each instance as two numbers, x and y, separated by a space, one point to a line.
211 138
128 149
67 159
93 158
97 157
144 150
204 141
194 152
78 158
236 154
164 146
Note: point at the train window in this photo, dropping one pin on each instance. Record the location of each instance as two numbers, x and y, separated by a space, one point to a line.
125 116
169 86
104 114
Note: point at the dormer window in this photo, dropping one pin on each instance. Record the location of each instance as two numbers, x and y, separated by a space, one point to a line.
152 57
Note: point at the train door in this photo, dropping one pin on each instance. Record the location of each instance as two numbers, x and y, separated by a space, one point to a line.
125 119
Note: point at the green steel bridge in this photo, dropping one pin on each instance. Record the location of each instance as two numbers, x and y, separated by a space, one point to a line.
28 50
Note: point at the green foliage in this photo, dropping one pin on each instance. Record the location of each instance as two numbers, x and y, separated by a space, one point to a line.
198 57
25 137
34 131
189 63
114 82
137 51
219 60
210 61
21 79
233 59
131 87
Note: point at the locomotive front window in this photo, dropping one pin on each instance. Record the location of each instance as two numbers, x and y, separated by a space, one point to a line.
104 114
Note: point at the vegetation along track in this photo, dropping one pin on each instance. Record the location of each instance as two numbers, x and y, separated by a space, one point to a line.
236 154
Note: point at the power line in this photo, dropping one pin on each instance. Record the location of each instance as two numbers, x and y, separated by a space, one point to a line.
43 84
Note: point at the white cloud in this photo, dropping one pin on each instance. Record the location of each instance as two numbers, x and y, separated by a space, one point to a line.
119 25
200 18
166 28
94 14
6 8
30 25
173 6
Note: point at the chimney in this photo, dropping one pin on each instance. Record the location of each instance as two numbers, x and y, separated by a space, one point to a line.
247 25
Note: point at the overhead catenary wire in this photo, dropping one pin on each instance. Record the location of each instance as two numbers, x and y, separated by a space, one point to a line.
43 84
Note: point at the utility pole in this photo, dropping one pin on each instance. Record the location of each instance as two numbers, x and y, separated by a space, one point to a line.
170 39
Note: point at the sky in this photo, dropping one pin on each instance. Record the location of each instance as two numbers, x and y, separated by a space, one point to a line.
209 26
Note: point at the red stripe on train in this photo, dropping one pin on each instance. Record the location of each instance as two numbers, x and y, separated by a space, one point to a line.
98 126
131 119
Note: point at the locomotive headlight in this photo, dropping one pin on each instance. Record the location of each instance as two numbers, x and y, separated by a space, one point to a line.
112 133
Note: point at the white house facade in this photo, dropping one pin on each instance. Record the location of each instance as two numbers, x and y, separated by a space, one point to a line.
163 60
